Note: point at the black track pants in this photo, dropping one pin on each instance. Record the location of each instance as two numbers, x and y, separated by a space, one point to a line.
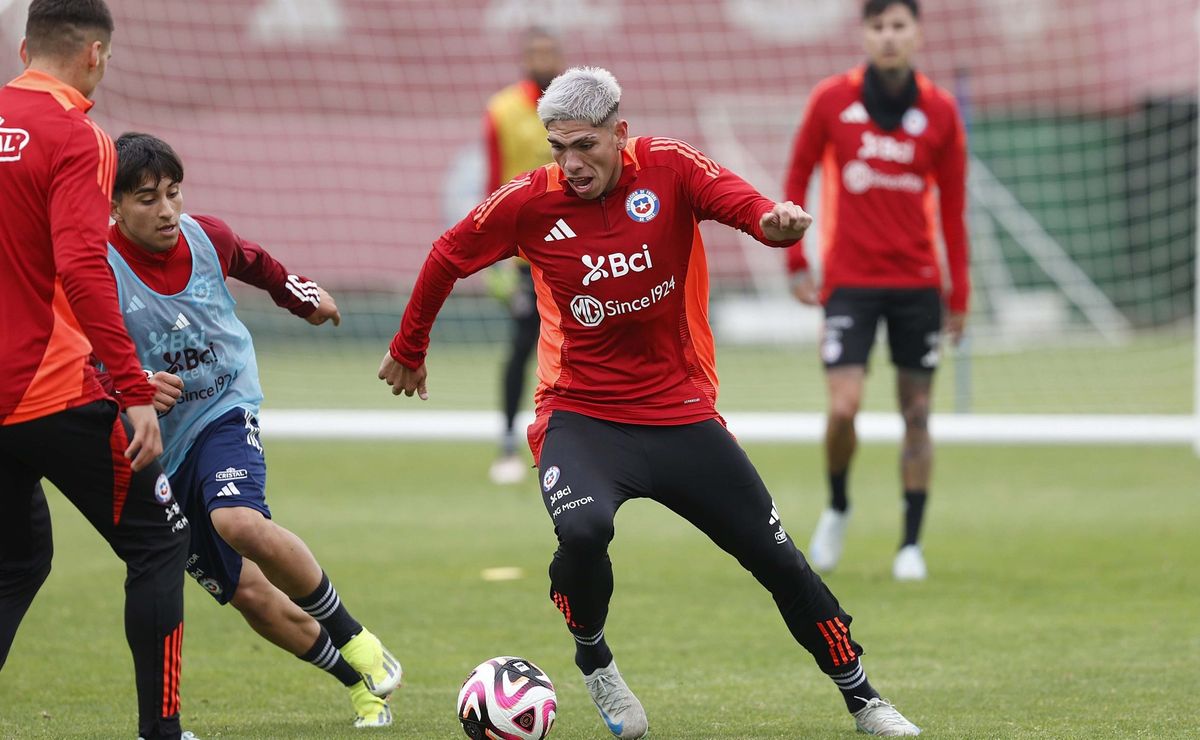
80 451
589 467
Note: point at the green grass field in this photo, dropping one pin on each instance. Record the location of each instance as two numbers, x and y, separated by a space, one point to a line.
1050 380
1063 602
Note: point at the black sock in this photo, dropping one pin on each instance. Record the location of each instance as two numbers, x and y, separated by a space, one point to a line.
856 689
326 657
914 514
326 607
837 492
591 652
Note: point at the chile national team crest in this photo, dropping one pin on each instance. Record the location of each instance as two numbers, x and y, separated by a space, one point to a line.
162 489
642 205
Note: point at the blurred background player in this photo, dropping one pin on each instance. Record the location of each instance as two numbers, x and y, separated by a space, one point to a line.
170 270
886 136
59 306
515 141
630 411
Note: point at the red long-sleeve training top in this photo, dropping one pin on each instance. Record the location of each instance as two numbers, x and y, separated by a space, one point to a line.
882 192
58 300
621 282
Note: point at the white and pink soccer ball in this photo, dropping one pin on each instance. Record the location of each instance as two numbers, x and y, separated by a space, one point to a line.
507 698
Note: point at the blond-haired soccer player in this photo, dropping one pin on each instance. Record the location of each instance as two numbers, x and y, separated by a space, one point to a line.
626 406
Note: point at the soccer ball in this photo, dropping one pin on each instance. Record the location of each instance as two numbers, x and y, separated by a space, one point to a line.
507 698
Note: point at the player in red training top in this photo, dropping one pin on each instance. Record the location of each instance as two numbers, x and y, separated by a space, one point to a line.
893 155
626 400
59 305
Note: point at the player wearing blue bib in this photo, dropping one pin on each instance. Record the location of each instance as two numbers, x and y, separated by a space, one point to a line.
170 270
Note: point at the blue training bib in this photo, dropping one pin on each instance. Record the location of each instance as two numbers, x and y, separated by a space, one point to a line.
196 335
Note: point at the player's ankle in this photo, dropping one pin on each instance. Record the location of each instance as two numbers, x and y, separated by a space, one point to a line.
592 652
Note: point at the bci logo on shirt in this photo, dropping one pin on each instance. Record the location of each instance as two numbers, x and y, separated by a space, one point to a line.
618 264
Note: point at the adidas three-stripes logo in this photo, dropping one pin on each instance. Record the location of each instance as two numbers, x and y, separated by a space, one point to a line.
305 290
559 232
135 304
228 490
856 112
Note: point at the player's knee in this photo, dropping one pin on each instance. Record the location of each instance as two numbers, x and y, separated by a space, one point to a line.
244 529
584 536
842 411
780 569
916 415
252 600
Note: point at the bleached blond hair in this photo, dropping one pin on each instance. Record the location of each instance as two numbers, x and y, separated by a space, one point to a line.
581 94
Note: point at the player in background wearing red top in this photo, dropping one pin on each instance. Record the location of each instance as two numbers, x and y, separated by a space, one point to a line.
59 305
515 142
626 399
893 156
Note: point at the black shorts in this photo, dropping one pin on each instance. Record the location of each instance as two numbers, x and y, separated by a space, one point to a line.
914 326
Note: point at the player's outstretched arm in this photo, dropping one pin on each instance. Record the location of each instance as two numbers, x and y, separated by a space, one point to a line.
786 222
402 379
326 310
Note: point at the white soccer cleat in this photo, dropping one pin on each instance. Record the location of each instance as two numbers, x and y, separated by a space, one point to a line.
880 718
619 708
825 548
508 471
909 564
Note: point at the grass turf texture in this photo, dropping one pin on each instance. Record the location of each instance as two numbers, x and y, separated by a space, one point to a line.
1062 603
331 374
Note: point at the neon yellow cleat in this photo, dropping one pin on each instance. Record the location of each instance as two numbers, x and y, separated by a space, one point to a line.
380 670
369 710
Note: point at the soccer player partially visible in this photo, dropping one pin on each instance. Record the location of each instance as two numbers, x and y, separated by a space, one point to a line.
515 141
171 270
893 161
626 407
59 305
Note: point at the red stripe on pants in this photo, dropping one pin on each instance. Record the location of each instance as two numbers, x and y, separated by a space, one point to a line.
172 649
845 637
835 649
117 442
